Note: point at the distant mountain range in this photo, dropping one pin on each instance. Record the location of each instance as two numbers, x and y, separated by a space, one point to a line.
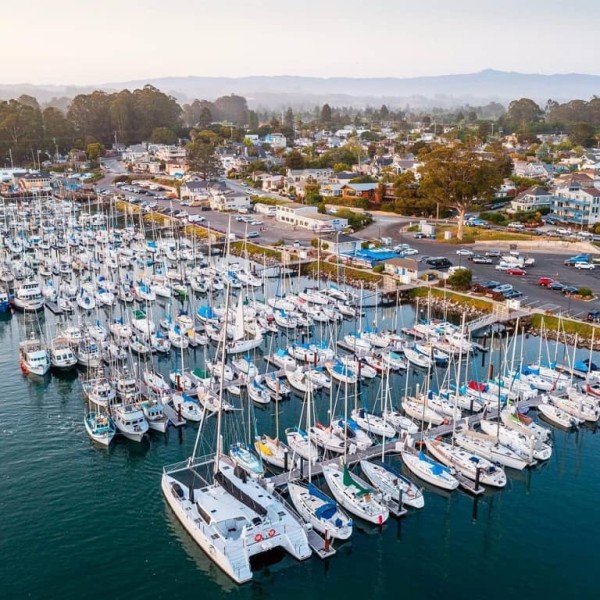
306 92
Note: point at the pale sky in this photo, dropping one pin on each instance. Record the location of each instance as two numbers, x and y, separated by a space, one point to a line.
99 41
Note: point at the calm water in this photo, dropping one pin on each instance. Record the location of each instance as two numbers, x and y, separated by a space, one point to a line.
78 521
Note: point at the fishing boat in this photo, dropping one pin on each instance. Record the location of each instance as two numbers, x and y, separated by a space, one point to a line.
28 296
130 421
33 357
355 495
61 355
155 416
99 427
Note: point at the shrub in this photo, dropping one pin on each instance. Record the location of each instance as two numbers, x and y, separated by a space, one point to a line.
378 268
585 292
461 279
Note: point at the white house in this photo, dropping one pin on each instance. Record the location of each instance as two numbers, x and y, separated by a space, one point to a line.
276 140
228 200
532 199
170 153
196 191
406 269
576 204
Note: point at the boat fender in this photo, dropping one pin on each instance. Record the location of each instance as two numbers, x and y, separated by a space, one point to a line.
258 538
271 533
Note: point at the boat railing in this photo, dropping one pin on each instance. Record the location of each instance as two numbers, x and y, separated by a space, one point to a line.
200 461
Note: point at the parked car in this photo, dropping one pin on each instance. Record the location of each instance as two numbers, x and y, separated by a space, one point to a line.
253 234
439 262
410 252
580 258
464 252
557 285
490 285
419 235
570 290
512 294
593 316
503 266
493 253
585 265
545 281
516 271
501 289
481 260
515 225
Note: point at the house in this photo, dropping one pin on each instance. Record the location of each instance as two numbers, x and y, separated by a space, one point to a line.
353 191
308 217
303 175
406 269
170 153
532 199
227 200
135 153
339 243
277 141
531 169
195 191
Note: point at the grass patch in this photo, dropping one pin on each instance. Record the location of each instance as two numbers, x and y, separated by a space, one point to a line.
127 208
479 234
567 326
256 252
341 273
477 303
266 200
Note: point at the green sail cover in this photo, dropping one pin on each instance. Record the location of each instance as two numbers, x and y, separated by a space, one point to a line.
349 480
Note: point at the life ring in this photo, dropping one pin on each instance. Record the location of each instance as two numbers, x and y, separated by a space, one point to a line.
258 538
271 533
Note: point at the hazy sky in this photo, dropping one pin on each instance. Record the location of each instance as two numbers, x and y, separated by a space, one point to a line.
97 41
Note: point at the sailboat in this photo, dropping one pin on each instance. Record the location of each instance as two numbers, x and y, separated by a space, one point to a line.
429 470
355 495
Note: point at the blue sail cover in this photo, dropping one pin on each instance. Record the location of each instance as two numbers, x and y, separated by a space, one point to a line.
206 312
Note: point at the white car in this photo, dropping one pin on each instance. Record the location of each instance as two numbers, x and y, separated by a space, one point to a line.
411 251
504 266
585 265
464 252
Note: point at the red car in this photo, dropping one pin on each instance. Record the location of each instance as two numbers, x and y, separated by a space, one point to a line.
545 281
516 271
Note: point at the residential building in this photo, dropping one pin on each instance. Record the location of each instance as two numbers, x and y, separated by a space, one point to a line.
195 191
577 204
228 200
277 141
532 199
170 153
135 153
531 169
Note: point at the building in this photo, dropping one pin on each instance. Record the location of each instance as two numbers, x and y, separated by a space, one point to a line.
530 169
228 200
577 204
532 199
35 181
339 243
277 141
308 217
195 191
170 153
406 269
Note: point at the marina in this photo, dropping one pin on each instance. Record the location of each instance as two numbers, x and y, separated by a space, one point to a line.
174 351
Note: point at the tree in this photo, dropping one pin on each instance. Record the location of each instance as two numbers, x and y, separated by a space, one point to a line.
458 177
312 193
325 114
94 151
288 120
384 112
205 118
521 115
163 135
461 279
202 159
252 121
295 160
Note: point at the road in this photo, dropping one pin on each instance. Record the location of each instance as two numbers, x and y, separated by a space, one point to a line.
548 264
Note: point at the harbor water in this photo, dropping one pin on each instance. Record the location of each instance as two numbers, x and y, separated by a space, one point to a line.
80 521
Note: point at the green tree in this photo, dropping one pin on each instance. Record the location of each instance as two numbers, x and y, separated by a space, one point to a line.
312 193
163 135
458 177
204 118
94 151
461 279
521 115
252 121
202 159
295 160
325 118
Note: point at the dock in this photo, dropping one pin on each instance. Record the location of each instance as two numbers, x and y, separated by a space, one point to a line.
396 446
54 308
